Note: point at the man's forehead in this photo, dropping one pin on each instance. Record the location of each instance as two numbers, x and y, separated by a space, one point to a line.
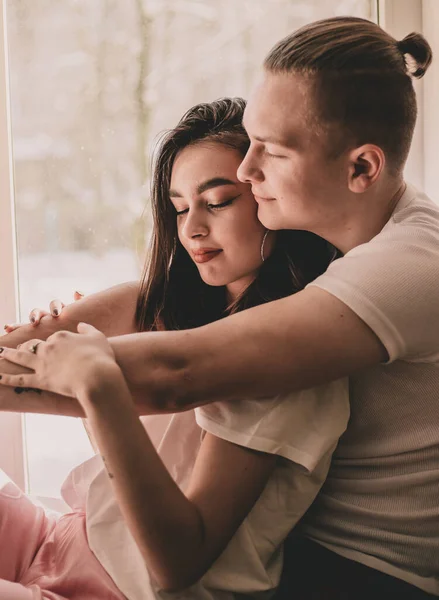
276 108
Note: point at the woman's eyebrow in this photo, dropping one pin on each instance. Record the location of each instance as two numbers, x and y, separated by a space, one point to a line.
206 185
214 182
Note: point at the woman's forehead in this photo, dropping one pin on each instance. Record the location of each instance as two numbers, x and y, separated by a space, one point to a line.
205 161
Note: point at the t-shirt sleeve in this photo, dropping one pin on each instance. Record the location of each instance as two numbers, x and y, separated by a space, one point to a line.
302 426
392 284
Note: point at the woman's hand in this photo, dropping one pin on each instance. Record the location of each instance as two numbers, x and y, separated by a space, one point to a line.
70 364
35 315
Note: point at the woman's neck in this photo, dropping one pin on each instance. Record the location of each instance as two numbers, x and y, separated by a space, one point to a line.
236 288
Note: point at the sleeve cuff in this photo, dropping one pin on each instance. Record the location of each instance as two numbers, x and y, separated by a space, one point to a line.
260 444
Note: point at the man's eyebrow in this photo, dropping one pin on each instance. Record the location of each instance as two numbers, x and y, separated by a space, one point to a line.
206 185
270 140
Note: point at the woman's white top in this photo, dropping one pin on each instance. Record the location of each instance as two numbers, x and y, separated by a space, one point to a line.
301 428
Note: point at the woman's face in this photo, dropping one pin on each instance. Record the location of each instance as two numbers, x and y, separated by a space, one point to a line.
217 216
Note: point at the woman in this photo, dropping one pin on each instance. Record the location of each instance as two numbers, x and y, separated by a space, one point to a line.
204 512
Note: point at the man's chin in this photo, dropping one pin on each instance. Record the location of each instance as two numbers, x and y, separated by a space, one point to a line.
271 218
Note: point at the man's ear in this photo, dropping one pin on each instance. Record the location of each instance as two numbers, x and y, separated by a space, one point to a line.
366 163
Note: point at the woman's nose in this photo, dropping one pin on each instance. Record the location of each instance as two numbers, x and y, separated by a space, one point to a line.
195 225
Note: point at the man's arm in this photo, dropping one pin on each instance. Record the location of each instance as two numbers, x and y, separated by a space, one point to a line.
111 311
294 343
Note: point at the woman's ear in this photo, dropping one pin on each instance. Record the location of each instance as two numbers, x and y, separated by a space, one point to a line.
366 164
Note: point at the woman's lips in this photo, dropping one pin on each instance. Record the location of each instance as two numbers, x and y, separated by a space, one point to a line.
202 256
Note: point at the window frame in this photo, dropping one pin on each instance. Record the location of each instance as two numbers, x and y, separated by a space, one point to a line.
12 447
396 16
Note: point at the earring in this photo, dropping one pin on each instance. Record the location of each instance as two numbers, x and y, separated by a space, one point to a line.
263 244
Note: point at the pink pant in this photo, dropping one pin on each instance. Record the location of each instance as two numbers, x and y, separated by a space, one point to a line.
43 558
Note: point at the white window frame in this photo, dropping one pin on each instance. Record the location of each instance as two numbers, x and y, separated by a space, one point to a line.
12 451
431 95
399 17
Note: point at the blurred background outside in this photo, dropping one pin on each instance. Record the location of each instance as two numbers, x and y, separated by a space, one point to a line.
93 84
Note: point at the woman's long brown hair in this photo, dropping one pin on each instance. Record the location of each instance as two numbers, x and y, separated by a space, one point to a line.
172 294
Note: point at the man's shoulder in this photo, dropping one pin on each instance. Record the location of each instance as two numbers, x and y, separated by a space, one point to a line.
392 281
415 210
413 229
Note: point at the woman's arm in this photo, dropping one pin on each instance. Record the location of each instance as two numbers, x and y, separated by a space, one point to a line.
111 311
29 400
179 536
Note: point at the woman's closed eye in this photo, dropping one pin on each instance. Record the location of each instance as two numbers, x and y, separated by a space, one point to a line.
181 212
222 204
211 206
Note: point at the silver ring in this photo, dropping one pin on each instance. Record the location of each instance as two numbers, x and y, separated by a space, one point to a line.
34 348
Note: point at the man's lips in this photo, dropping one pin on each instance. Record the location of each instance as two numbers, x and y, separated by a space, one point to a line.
261 199
206 254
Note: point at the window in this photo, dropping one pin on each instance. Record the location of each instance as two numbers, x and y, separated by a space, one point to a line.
91 86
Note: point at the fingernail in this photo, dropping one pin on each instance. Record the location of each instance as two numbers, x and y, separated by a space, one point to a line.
55 312
79 293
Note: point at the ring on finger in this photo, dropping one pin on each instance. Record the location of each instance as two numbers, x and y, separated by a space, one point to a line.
34 348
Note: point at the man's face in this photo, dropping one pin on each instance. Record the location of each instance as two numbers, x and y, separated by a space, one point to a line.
294 182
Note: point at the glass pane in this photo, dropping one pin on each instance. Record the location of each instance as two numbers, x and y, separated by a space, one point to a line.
92 84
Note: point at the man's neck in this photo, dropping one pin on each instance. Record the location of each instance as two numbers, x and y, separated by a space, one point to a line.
369 220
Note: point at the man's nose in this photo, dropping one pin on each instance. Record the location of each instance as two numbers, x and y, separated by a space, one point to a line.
249 170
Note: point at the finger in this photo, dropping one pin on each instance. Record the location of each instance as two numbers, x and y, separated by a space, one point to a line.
24 358
78 296
86 328
19 381
12 327
56 307
36 315
29 343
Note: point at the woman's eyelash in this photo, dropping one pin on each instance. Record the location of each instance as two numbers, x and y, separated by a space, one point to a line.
210 206
222 205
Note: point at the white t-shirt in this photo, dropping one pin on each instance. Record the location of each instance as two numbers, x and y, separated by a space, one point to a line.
380 502
302 429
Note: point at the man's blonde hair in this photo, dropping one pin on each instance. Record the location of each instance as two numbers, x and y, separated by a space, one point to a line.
360 78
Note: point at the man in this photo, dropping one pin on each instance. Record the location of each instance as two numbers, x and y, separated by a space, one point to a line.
330 126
